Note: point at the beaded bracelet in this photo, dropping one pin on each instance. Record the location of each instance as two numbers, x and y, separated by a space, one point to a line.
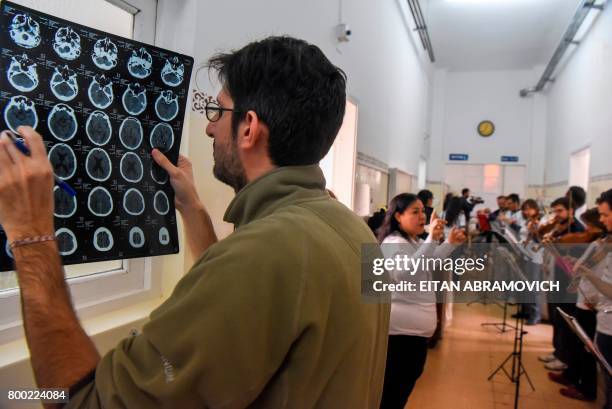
31 240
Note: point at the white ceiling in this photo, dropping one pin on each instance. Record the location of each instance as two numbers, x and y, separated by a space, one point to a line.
472 35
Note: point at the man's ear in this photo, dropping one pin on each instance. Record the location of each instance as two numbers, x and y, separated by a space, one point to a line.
251 131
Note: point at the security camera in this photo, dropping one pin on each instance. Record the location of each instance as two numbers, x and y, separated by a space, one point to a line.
343 32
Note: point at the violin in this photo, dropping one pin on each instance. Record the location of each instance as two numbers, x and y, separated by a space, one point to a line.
581 237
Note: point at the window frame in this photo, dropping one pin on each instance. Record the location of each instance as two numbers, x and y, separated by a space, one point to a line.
101 291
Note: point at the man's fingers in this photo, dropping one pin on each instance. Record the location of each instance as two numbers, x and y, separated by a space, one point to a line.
6 163
34 142
163 161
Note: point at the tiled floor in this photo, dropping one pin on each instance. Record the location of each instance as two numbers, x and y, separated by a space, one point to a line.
456 372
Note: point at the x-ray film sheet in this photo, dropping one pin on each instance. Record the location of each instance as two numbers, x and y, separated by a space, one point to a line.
101 102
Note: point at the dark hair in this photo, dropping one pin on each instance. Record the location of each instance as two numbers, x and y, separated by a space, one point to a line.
294 89
398 204
591 217
530 203
376 220
453 210
606 197
425 195
447 199
561 201
514 198
501 197
464 190
577 196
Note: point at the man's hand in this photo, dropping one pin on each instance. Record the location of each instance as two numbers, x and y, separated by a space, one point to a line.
26 187
456 236
181 177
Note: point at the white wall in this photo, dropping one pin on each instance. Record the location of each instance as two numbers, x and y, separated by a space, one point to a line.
462 99
387 72
579 104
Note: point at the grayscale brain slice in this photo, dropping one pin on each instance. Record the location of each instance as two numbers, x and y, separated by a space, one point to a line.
64 83
98 164
100 202
105 54
22 73
103 239
167 106
173 72
140 63
158 174
20 111
63 161
65 241
130 133
136 238
100 91
131 167
62 122
134 202
25 31
161 202
164 236
135 99
65 204
162 137
98 127
67 43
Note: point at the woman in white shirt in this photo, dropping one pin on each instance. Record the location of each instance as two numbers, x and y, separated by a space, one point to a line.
413 316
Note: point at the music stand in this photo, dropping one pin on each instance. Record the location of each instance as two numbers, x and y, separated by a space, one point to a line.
518 369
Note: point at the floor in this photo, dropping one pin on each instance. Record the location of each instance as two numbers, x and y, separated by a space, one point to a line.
456 371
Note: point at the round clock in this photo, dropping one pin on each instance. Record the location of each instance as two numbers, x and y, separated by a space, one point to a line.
486 128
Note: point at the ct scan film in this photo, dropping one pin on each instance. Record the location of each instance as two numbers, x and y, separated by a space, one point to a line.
101 103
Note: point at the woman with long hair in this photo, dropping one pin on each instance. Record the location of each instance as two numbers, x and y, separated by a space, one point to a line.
413 315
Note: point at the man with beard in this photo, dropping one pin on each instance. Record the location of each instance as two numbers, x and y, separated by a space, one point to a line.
270 316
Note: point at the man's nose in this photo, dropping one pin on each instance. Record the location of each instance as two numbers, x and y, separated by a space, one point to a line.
209 129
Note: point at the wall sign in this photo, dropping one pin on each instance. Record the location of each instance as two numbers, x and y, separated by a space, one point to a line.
458 156
509 158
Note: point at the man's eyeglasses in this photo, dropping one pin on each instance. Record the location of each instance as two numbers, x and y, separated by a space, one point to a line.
214 111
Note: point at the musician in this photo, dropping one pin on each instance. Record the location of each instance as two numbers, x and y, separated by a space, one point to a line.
501 208
511 217
530 212
577 197
580 377
564 223
598 286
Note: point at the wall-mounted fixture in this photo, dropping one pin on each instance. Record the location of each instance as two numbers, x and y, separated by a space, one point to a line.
584 8
421 27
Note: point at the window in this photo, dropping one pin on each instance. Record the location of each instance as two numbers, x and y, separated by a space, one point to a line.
104 286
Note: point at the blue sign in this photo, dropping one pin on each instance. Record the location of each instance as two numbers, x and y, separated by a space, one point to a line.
457 156
509 158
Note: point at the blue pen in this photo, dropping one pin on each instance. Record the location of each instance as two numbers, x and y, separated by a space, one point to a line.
24 149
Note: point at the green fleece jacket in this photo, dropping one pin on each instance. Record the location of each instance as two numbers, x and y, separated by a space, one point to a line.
269 317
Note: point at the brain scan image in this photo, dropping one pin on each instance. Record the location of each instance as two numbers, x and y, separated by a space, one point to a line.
133 202
66 241
98 128
134 99
130 133
62 122
131 167
98 165
166 106
65 204
20 111
103 239
100 202
162 137
63 160
105 54
158 174
64 83
161 204
173 72
22 73
140 62
136 237
164 236
25 31
67 44
100 91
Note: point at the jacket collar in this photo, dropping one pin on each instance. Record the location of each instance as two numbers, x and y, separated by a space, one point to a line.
280 187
